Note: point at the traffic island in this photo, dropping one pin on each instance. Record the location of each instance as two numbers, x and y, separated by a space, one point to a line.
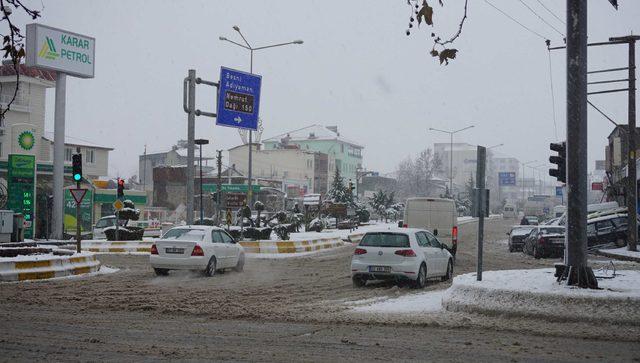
536 294
290 247
37 263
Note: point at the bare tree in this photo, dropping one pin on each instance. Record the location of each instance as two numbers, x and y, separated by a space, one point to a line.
422 11
13 42
415 176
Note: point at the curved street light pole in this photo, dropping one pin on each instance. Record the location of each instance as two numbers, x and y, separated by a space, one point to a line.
251 50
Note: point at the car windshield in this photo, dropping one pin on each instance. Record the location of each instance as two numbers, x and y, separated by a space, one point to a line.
521 231
107 222
552 230
385 239
184 234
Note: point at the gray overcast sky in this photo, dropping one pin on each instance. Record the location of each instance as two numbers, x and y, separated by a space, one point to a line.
357 69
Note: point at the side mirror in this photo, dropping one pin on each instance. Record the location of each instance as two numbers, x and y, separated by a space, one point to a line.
508 234
435 232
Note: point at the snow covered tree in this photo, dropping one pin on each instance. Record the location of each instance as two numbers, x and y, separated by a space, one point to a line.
339 193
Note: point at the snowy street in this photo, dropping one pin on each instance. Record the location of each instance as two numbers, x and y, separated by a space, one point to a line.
274 307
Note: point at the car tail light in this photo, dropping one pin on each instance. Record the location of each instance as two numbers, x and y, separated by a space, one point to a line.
197 251
405 225
540 241
359 251
454 235
405 253
154 249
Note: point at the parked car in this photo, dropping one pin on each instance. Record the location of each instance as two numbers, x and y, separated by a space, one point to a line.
204 248
529 220
545 241
400 254
101 224
517 235
435 214
608 229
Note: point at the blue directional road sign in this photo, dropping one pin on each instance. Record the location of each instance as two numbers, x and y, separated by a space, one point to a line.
507 178
238 99
558 191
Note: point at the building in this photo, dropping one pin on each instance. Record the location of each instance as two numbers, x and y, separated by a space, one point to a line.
342 154
300 171
22 132
464 158
175 156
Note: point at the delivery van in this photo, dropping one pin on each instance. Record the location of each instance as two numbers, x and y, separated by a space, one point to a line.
509 211
437 215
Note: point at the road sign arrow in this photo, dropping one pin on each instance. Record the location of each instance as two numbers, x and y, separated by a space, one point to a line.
78 194
237 119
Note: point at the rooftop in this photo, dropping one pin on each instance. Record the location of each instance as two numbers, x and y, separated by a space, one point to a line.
7 70
70 140
313 132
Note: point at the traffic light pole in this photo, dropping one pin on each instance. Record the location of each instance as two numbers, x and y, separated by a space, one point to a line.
78 216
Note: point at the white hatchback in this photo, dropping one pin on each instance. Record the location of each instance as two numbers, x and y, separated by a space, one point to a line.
204 248
400 254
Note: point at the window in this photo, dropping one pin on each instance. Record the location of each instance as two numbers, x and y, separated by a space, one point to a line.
68 154
384 239
226 238
89 156
604 227
342 148
215 237
423 241
184 234
591 229
433 241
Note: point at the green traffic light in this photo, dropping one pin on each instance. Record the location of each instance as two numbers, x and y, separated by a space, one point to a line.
77 177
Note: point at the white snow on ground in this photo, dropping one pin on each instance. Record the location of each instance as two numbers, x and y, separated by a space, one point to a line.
622 251
541 281
426 302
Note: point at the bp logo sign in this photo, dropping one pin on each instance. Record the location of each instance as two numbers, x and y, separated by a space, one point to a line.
48 50
26 140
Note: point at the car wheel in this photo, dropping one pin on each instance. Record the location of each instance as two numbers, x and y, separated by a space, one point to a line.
421 280
211 267
511 249
161 271
358 281
240 266
449 274
621 242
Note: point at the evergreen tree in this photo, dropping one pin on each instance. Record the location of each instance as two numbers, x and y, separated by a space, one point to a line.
338 192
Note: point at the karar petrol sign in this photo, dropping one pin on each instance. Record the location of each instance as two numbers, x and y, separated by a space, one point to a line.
60 50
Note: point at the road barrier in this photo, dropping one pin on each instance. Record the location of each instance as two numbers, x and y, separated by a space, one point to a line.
291 246
102 246
37 267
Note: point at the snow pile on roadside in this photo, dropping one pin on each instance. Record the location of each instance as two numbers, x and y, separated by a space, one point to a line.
536 293
426 302
622 251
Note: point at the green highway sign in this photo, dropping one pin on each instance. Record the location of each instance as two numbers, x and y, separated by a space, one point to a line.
231 188
21 188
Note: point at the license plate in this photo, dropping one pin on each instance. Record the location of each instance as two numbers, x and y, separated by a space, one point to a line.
379 269
557 241
174 250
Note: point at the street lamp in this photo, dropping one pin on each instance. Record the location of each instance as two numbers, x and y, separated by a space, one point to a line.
523 165
251 50
451 152
201 142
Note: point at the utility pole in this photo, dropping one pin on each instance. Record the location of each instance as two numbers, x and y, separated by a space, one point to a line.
58 155
480 200
191 129
219 182
577 272
631 192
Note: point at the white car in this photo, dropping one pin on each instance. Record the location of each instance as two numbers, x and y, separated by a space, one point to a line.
400 254
205 248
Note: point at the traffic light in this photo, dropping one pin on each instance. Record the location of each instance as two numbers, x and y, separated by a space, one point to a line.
120 188
561 160
77 167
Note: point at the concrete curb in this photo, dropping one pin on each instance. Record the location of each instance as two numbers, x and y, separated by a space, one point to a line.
472 298
101 246
290 246
616 256
49 266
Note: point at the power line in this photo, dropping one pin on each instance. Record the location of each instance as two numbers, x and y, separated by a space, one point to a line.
551 12
514 20
541 18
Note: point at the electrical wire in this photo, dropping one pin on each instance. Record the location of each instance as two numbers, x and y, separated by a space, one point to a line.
551 12
514 20
540 17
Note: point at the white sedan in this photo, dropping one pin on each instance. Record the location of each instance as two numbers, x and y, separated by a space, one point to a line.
400 254
204 248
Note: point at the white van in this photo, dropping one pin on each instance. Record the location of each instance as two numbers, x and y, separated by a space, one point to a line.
434 214
509 211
